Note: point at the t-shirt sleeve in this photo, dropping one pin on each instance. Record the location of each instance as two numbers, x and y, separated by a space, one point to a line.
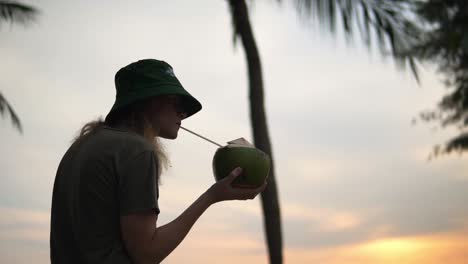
138 187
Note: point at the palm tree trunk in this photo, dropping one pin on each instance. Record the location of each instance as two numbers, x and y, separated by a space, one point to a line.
269 197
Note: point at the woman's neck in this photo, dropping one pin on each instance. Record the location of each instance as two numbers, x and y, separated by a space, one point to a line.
144 131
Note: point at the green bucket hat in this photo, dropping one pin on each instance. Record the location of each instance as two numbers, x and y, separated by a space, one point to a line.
147 78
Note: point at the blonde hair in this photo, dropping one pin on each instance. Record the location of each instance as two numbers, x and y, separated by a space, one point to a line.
136 118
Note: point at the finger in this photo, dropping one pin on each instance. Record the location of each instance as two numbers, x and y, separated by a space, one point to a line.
250 188
250 192
234 174
252 196
261 188
248 196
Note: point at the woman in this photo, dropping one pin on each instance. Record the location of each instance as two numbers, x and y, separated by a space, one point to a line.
105 197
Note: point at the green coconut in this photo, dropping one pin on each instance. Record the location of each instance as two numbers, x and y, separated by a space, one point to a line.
255 163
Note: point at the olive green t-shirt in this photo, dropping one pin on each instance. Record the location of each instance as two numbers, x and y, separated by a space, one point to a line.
110 173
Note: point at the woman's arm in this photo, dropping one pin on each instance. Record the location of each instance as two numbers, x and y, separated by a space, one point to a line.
147 243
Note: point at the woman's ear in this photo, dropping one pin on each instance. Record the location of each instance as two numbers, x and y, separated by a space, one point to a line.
156 103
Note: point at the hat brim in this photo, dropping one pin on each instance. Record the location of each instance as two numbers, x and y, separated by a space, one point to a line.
190 104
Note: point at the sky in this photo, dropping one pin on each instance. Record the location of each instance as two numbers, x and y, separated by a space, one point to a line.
355 183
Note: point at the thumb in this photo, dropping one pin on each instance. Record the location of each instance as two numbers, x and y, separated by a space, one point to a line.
234 174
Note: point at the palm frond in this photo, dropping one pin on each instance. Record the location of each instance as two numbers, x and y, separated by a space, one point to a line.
383 20
458 144
17 13
6 107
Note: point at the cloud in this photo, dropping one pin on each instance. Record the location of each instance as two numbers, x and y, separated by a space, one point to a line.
26 225
26 234
23 252
321 219
26 216
448 247
218 248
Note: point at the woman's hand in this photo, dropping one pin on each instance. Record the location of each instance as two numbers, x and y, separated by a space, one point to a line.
222 190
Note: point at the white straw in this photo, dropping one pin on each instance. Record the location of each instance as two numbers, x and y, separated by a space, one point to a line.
211 141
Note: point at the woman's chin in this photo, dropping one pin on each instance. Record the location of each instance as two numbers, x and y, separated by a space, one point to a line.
172 135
